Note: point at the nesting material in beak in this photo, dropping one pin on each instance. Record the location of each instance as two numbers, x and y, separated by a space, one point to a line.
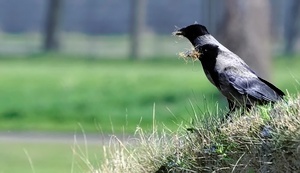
191 54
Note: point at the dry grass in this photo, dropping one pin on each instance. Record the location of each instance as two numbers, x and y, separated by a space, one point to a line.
266 139
190 54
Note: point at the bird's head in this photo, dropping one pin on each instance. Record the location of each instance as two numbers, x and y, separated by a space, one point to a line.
191 32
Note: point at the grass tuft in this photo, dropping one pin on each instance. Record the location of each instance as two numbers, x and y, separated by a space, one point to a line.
265 139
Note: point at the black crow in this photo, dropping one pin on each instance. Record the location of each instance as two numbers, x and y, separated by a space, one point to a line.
228 72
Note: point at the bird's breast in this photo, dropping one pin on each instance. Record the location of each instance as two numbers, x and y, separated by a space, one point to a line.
208 75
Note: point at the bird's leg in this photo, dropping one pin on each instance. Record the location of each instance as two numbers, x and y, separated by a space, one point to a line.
232 107
248 108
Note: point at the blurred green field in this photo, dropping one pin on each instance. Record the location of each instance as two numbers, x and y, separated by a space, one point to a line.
57 93
29 157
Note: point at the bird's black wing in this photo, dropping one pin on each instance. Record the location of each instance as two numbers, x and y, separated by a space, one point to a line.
247 83
277 90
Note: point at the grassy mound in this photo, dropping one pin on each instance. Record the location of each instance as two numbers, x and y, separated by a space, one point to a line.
266 139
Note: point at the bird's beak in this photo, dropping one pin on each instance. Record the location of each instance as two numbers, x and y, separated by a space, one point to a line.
179 33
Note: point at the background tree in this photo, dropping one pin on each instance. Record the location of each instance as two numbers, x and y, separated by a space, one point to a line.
52 27
290 25
138 12
246 31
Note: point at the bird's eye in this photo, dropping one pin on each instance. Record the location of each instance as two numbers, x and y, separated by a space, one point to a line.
205 50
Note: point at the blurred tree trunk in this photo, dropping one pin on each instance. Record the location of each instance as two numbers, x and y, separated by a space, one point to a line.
290 25
138 12
246 31
52 27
